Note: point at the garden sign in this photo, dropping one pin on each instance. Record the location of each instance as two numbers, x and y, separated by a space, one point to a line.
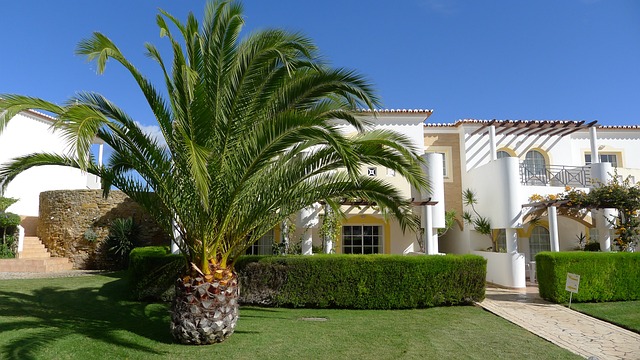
573 282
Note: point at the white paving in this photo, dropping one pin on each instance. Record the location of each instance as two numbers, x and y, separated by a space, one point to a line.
574 331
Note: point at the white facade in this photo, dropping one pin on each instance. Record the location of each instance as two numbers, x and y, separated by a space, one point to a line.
506 162
366 230
30 132
503 162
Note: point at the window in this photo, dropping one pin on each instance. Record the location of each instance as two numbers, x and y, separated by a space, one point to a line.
391 172
361 239
264 245
535 169
502 154
538 241
372 171
610 158
501 239
594 236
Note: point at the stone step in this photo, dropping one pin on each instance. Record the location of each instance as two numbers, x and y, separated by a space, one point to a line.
32 240
34 254
33 248
35 265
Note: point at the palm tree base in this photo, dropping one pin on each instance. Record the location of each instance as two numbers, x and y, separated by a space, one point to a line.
204 311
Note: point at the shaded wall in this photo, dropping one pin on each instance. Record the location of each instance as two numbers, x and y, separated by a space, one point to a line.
67 216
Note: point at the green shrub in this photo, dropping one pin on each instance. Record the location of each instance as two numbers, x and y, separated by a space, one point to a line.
320 281
9 220
153 271
592 246
8 231
8 247
604 276
362 282
123 237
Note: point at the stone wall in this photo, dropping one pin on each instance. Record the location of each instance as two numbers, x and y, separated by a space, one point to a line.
67 217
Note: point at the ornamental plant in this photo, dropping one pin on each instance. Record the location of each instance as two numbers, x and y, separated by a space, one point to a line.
615 194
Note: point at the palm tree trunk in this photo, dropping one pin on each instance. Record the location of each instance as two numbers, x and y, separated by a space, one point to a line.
205 309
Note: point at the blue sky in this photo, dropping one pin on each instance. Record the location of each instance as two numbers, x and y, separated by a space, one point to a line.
504 59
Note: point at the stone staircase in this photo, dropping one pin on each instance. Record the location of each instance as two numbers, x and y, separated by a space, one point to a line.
35 258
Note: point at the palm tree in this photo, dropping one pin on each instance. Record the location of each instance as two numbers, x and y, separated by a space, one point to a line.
254 132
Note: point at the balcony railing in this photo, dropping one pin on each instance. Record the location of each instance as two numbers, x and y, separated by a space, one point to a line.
555 175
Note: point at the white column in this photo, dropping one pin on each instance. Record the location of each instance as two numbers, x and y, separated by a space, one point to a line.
593 140
434 241
604 224
308 218
100 152
435 174
328 240
307 242
553 228
427 216
601 172
512 240
492 142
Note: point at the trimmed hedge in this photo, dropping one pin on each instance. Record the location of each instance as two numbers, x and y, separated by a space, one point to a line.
153 271
321 281
604 276
362 281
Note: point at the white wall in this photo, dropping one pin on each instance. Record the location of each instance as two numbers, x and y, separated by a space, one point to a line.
497 189
408 124
505 269
27 133
626 141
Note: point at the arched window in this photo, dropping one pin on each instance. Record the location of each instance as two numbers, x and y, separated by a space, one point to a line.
535 172
538 241
502 154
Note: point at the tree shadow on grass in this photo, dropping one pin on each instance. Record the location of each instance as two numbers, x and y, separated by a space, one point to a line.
51 314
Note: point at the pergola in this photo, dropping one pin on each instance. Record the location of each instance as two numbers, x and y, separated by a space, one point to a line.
534 127
566 208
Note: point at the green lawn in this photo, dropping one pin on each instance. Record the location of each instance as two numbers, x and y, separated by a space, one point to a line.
90 318
622 313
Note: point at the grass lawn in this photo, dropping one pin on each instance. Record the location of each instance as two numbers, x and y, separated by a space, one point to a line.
623 313
91 318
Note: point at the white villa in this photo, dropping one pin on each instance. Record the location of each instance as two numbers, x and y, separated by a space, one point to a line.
503 162
31 132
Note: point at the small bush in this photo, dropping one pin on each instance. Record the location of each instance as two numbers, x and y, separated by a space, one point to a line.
123 237
153 271
8 233
8 247
604 276
592 246
90 235
362 282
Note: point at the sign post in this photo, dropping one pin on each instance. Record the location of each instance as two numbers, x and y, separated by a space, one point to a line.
573 282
